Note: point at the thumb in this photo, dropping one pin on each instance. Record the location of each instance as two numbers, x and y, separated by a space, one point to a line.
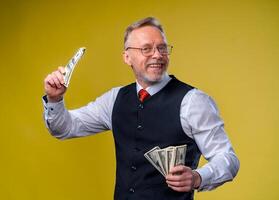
179 169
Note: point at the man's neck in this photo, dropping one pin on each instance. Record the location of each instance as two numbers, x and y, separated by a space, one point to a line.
156 87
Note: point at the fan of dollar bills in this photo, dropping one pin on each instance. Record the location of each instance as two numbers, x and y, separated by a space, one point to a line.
164 159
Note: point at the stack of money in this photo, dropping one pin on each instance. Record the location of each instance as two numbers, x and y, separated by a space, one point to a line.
164 159
71 65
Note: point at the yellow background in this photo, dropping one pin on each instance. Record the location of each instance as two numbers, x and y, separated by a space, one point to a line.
229 49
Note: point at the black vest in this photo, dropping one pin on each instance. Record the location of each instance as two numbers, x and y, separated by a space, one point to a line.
137 128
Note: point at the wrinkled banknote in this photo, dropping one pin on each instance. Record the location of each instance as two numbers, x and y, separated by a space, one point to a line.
71 65
180 155
153 157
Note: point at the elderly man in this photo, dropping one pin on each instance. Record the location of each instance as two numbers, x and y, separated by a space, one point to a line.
156 110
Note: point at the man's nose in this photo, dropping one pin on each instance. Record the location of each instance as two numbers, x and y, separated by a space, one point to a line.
156 53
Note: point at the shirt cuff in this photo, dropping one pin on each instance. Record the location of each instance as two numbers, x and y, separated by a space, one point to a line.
53 107
206 174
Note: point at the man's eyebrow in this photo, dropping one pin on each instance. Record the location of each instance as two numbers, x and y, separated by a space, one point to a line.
151 44
147 45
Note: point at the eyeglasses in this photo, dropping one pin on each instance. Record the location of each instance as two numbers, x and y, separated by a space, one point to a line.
149 51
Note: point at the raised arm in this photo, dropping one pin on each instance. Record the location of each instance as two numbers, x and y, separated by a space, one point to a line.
62 123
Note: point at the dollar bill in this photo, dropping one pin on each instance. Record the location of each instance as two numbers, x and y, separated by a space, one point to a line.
153 157
71 65
180 155
163 157
170 151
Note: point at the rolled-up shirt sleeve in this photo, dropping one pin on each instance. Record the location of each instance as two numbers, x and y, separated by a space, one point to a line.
93 118
201 121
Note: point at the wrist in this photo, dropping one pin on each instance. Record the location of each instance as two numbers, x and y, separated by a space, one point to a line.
196 180
54 99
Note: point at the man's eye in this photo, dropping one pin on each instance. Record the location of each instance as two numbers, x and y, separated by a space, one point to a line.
146 49
162 49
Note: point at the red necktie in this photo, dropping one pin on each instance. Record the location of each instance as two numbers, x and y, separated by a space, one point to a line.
143 94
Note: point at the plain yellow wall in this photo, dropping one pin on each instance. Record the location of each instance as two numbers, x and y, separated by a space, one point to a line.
228 49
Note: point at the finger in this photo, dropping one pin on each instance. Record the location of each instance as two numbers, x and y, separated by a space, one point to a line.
179 169
181 189
172 177
62 70
56 80
49 81
179 183
59 76
181 177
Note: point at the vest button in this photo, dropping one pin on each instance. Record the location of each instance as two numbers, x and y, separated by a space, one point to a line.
140 127
134 168
132 190
141 106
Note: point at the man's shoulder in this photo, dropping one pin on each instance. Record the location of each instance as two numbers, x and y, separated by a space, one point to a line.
114 91
178 86
181 83
127 88
193 93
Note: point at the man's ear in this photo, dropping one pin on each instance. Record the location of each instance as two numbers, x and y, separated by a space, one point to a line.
126 58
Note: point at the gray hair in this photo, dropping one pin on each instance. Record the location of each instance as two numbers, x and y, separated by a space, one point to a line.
148 21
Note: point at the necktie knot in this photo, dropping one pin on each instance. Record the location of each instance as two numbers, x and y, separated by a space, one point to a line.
143 94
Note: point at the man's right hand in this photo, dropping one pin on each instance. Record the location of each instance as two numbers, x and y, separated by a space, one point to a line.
54 87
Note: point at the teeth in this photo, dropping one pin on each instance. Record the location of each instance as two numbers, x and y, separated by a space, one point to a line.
155 65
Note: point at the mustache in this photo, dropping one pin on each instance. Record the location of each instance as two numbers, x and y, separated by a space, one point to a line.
156 62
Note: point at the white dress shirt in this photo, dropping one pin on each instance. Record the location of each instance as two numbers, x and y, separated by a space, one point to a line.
199 118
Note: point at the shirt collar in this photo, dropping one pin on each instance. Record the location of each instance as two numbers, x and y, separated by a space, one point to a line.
153 89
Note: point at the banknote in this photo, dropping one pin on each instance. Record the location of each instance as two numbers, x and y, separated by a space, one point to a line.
153 157
170 153
71 65
164 159
180 155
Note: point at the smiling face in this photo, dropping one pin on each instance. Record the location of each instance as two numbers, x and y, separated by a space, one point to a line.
147 69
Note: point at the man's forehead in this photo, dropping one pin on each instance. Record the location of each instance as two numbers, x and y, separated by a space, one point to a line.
146 35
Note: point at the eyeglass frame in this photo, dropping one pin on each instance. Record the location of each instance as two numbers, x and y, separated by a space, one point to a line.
168 47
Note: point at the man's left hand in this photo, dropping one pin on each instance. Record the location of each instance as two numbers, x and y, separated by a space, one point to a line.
183 179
